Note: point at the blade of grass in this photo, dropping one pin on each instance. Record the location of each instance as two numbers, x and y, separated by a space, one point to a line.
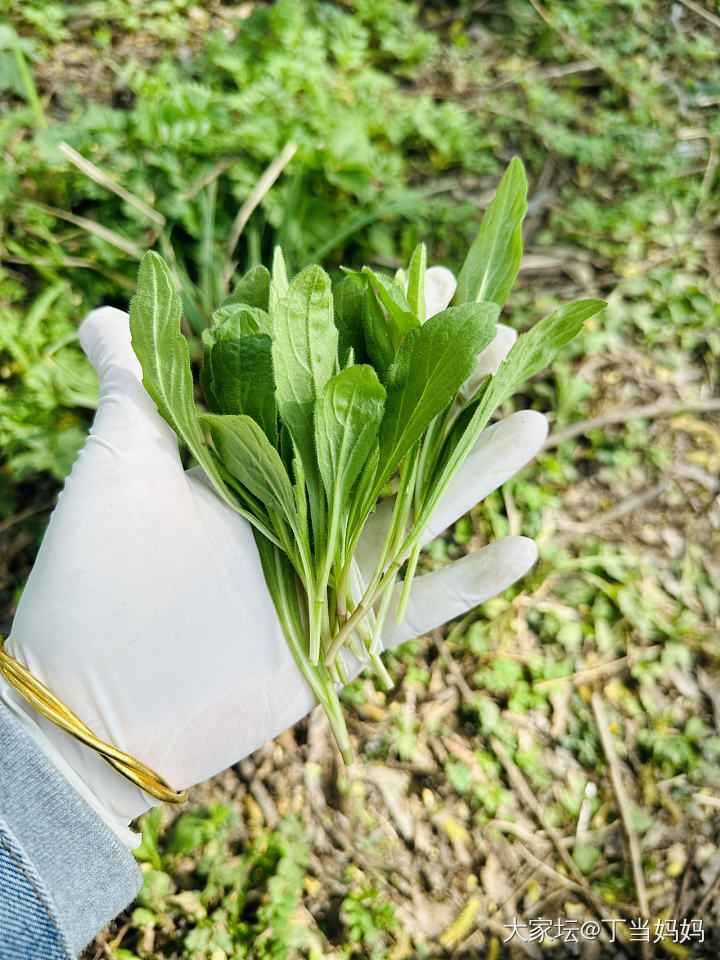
104 180
92 226
71 263
268 178
208 177
28 83
208 202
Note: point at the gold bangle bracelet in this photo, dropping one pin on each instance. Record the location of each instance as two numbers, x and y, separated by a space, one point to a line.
47 704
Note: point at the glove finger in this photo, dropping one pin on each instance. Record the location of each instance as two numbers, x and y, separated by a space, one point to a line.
490 359
450 592
105 338
127 420
501 450
373 537
440 284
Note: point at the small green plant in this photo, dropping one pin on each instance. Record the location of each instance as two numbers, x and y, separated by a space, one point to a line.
318 397
45 385
368 918
244 898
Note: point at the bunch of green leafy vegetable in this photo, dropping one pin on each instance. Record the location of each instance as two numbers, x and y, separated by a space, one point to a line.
317 396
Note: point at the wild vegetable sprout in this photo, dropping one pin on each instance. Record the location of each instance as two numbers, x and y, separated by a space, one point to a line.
318 395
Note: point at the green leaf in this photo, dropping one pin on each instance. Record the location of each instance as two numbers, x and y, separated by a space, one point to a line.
586 856
240 320
246 452
416 282
432 363
253 290
493 260
149 850
190 831
377 337
288 448
531 352
155 314
363 501
535 349
208 342
299 488
304 355
155 318
392 296
348 304
347 421
242 380
161 348
279 281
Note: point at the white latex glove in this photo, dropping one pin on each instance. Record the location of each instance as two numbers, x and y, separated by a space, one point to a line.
147 611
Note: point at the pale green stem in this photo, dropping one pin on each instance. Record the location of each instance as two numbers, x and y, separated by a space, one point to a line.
407 583
381 671
285 601
321 589
382 612
341 670
401 513
362 609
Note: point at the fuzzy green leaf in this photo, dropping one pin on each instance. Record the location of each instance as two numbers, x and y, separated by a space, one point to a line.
432 363
535 349
208 342
246 452
158 342
377 337
347 421
304 355
493 260
253 289
416 282
155 315
530 353
240 320
278 282
348 305
392 296
242 380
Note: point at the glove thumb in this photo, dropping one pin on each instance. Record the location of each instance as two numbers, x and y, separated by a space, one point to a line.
127 418
105 338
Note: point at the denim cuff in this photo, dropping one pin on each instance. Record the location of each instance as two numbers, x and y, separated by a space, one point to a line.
80 874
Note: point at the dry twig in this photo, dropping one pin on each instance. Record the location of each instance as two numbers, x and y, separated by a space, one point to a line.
523 790
601 670
623 802
92 226
102 179
646 411
25 514
702 11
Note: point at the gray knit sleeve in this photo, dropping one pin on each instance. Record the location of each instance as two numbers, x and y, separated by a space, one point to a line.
56 852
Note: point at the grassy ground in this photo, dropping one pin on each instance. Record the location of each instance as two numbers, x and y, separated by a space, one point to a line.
555 755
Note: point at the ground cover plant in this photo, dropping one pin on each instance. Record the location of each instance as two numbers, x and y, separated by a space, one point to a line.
614 109
317 398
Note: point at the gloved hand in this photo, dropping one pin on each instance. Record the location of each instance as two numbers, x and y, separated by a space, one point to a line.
147 611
